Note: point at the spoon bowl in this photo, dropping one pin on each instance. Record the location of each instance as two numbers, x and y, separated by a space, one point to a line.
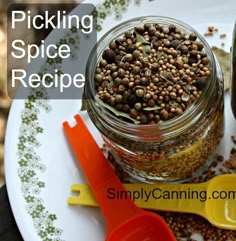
145 227
221 209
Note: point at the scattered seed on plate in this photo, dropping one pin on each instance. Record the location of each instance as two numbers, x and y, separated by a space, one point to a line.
233 139
187 226
223 35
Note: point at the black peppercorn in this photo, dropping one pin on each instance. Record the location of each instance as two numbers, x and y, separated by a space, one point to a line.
119 106
131 48
200 84
151 103
172 27
193 53
117 81
151 30
157 26
132 100
192 36
199 45
144 81
175 43
113 45
143 119
202 54
205 61
179 111
192 60
164 114
126 108
128 34
109 55
125 81
139 29
150 116
147 26
133 113
126 95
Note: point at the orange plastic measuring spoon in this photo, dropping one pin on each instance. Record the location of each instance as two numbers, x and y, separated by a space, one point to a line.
125 221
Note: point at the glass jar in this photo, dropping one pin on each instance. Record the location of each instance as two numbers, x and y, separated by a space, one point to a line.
170 151
233 72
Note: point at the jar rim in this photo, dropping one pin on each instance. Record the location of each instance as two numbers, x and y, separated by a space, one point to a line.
189 116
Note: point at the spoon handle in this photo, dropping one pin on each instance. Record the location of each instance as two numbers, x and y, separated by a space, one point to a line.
191 197
99 174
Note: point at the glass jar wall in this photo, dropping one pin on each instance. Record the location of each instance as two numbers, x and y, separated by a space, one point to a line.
170 151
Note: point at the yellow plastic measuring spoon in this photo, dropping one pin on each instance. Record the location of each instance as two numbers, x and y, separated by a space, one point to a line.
215 199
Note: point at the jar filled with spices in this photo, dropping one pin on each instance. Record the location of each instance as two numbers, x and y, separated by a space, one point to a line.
233 72
155 92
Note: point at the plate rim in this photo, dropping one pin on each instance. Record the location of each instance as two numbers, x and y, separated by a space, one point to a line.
26 234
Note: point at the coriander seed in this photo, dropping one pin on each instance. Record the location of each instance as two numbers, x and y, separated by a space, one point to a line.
139 93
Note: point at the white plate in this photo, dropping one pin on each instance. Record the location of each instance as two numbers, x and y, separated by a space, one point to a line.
39 165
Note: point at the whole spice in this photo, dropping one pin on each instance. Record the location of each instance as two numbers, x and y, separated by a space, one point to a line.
168 71
109 55
155 64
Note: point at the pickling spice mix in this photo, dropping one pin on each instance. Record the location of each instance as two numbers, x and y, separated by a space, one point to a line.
153 73
157 98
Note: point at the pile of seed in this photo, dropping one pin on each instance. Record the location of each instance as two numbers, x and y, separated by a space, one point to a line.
185 226
152 73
